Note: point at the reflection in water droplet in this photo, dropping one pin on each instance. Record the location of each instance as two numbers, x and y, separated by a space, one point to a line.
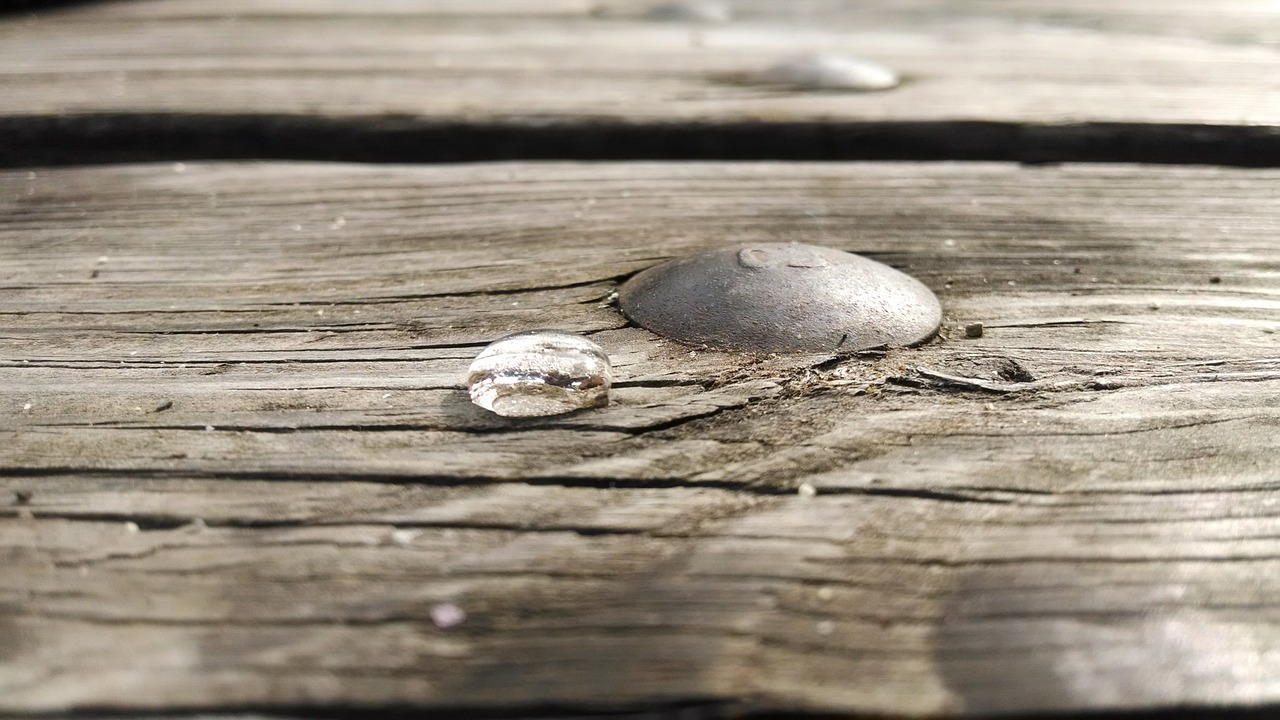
540 372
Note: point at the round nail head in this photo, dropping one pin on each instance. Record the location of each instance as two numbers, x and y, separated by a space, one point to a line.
780 297
830 72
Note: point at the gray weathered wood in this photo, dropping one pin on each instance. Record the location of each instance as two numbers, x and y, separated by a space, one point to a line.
540 61
237 466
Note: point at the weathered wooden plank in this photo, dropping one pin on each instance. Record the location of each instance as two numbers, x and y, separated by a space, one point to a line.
1075 511
575 61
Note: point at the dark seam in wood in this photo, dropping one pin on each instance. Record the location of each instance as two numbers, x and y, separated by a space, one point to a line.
691 709
44 140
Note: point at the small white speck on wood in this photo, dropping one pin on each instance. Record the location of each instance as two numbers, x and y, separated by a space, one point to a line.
404 536
447 615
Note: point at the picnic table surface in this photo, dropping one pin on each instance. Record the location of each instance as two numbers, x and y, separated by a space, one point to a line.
249 249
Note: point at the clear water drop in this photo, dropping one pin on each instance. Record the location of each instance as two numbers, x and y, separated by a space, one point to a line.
540 372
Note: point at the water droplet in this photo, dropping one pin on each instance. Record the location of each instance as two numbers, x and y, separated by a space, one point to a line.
776 297
540 372
830 72
708 11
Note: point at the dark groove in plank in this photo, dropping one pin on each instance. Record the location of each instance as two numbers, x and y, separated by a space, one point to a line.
398 479
955 495
691 710
28 7
111 138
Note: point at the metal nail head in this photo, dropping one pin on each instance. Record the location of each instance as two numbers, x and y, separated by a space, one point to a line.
780 297
829 71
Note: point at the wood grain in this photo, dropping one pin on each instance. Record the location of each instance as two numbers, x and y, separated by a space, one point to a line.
238 468
539 62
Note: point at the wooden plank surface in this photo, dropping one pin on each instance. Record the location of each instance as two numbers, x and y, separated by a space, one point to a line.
238 468
535 62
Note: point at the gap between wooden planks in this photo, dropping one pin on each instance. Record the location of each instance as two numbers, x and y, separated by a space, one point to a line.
240 469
